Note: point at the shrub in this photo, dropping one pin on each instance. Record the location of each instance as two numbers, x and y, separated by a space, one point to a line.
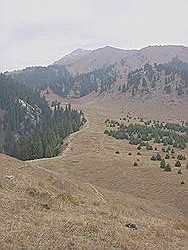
162 163
149 147
139 147
117 152
106 132
139 153
158 157
153 158
135 164
129 153
167 168
181 157
167 156
178 164
172 151
179 171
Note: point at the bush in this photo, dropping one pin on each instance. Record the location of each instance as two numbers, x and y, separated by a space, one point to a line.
179 171
139 147
172 151
106 132
162 163
181 157
139 153
178 164
158 157
129 153
167 168
153 158
117 152
149 147
135 164
167 156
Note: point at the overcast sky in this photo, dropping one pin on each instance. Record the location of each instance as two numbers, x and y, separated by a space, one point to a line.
38 32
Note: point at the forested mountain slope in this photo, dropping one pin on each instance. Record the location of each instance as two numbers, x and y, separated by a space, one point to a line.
169 78
29 127
65 84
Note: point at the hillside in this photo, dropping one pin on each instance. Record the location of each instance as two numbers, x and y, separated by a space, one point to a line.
95 59
114 71
156 80
29 128
132 59
86 197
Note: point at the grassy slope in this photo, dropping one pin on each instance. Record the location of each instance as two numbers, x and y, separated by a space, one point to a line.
83 198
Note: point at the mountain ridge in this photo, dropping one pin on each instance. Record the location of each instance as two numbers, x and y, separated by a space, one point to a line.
134 58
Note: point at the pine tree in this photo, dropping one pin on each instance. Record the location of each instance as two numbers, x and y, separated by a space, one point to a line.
178 164
167 168
162 163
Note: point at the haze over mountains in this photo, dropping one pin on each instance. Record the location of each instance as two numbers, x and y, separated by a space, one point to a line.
82 61
109 69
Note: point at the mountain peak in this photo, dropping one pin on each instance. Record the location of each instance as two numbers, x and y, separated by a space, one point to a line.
73 56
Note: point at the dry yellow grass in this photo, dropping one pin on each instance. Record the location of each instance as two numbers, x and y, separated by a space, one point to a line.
84 198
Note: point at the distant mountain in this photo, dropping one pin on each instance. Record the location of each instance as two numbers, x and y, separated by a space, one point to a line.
109 69
92 60
73 57
86 61
156 80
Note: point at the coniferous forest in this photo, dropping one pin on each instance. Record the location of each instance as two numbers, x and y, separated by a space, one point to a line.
171 77
29 128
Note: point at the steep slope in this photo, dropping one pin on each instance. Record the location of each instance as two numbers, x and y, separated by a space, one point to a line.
95 59
163 54
156 80
169 78
29 128
72 57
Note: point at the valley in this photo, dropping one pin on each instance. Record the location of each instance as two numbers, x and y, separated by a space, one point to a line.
94 159
154 200
93 125
89 193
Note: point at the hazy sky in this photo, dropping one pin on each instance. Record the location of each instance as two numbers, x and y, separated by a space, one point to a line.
38 32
